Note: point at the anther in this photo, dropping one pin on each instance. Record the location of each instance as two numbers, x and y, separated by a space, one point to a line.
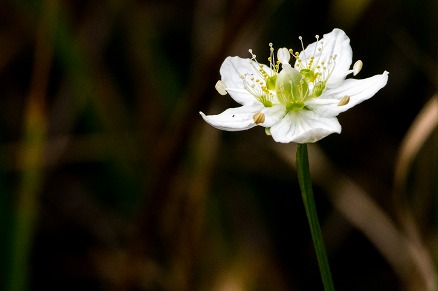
220 87
344 100
357 67
259 117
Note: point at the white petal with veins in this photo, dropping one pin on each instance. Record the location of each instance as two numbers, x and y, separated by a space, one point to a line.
233 119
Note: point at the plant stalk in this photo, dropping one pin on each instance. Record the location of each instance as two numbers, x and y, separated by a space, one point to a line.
302 163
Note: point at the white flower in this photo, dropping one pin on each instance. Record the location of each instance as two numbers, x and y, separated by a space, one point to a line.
294 104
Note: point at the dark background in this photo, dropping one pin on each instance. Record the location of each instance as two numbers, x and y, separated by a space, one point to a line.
110 179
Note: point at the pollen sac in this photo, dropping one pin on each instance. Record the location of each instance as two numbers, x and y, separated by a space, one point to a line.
259 117
344 100
220 87
357 67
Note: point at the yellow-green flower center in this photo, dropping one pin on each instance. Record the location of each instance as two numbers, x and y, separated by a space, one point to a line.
292 88
270 82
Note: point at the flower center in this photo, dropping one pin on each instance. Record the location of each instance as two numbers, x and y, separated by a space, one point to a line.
292 88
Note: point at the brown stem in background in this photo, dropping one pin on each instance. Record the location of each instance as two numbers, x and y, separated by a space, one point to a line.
171 144
31 155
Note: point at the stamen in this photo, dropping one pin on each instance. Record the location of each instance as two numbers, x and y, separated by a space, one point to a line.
301 40
316 45
257 87
302 46
357 67
320 48
253 56
271 58
259 117
344 101
220 87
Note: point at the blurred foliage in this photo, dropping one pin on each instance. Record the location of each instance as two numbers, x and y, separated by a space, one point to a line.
110 180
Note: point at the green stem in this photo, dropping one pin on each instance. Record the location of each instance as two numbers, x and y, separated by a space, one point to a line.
309 204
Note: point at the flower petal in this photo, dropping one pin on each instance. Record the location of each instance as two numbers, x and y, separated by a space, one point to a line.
231 71
234 119
328 104
273 115
335 51
304 126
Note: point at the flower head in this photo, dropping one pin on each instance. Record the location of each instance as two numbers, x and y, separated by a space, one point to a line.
299 103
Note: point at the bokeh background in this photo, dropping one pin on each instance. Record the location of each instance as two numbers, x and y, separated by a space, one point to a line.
110 179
